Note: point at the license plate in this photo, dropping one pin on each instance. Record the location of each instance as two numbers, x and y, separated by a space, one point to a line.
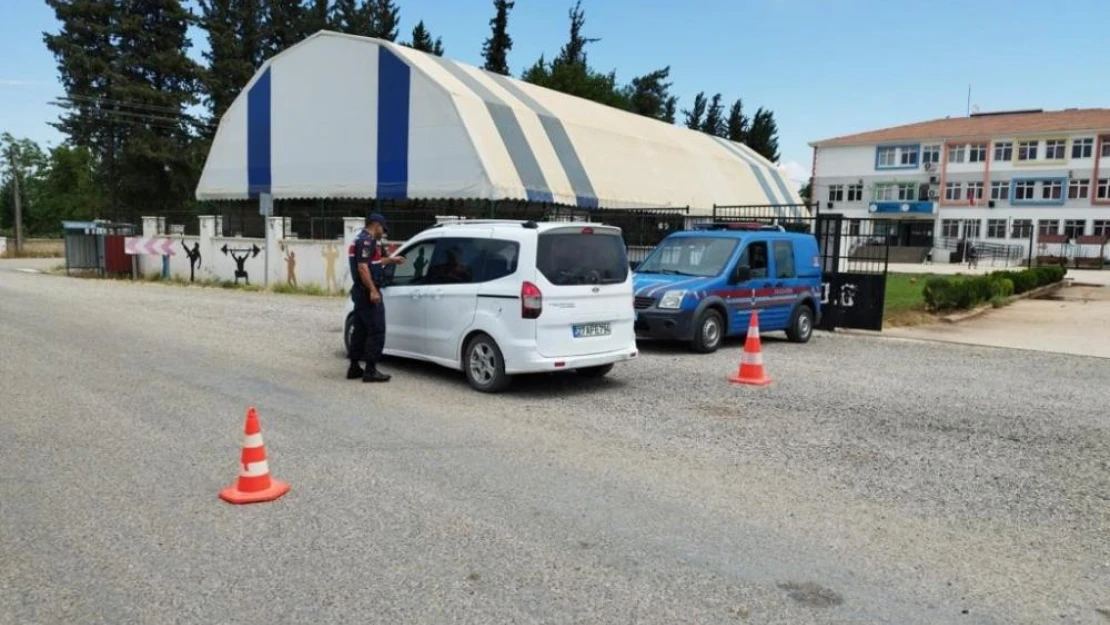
590 330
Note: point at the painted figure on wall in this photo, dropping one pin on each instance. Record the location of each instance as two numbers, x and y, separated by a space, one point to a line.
330 254
240 256
194 259
291 268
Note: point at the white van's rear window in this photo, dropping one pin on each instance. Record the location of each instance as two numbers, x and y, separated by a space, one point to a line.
570 258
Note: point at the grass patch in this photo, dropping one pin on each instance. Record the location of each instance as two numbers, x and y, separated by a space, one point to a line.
905 299
282 289
11 253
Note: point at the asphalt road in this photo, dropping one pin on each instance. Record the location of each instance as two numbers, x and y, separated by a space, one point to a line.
877 481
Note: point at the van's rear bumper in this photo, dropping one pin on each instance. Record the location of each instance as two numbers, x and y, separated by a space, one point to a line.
534 363
667 325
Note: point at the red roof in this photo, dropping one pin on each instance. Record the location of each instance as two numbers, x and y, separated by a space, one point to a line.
983 125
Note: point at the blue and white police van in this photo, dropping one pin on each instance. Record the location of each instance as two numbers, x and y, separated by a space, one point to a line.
701 286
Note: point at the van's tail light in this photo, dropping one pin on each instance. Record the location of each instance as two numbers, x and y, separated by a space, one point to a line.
531 301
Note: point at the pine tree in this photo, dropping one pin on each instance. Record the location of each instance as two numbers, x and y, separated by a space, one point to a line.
695 116
737 126
649 95
496 48
574 51
384 18
714 123
670 109
422 40
315 17
87 65
235 49
283 25
763 136
352 18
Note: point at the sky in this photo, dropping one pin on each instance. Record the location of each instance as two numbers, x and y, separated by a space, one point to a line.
825 67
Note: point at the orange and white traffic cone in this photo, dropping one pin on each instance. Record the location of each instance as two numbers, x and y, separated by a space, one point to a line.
254 484
751 360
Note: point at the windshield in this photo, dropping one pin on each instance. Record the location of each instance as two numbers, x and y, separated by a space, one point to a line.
572 258
689 256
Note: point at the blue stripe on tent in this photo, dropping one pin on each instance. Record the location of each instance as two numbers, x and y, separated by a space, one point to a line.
259 173
757 170
585 195
512 135
394 89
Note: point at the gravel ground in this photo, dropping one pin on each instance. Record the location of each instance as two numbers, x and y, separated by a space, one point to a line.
876 481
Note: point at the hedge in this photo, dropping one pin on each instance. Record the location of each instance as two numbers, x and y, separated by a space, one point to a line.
966 292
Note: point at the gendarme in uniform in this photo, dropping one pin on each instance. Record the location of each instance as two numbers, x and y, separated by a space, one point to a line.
368 275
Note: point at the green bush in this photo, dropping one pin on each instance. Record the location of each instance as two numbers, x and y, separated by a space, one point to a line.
966 292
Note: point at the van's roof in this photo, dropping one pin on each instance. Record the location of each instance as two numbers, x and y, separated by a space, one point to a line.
538 226
739 234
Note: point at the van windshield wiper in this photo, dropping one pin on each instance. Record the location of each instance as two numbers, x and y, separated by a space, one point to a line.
675 272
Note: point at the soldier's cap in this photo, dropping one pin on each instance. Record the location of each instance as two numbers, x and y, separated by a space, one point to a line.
378 218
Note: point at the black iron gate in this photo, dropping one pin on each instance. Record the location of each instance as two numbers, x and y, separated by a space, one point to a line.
855 255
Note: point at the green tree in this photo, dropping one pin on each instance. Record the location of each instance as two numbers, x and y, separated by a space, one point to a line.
714 123
496 48
353 18
649 95
806 191
695 115
237 48
283 25
737 125
384 18
570 72
422 40
763 136
30 163
315 17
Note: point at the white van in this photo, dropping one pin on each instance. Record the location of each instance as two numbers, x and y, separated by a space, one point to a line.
496 298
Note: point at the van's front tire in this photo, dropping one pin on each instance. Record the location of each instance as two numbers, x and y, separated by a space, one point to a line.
801 325
484 365
709 331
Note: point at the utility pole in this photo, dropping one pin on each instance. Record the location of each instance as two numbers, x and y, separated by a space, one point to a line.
18 198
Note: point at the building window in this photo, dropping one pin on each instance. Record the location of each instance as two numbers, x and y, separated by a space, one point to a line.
971 228
1082 148
1101 228
1055 149
1003 151
1024 189
909 157
930 154
853 227
996 228
1102 191
950 228
975 190
1048 226
977 153
956 154
1027 150
1052 190
1105 148
855 193
1021 228
953 191
836 193
1000 190
1075 228
886 192
1079 189
888 157
907 191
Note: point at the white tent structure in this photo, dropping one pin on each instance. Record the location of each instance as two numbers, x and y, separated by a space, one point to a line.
339 116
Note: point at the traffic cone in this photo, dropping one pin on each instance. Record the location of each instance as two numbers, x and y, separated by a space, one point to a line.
751 360
254 484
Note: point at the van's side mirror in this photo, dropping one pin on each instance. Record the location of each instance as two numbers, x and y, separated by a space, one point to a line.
743 273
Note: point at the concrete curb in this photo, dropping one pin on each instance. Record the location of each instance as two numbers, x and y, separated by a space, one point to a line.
982 310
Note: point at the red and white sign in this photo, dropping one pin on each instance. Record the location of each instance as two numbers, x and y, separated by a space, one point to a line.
149 246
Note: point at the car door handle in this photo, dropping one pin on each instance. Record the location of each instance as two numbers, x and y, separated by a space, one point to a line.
779 285
438 293
417 294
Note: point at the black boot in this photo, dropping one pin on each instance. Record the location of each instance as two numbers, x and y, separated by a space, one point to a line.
373 375
355 372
